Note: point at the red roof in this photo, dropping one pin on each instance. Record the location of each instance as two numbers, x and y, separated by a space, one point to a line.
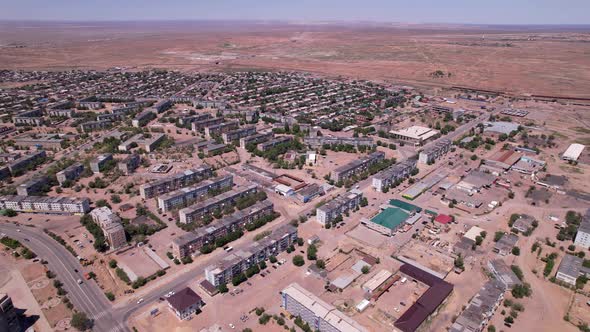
443 219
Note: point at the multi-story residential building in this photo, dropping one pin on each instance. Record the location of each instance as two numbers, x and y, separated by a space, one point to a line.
387 177
339 205
29 118
319 315
191 243
89 126
235 135
319 141
163 105
356 166
143 118
236 263
481 308
70 173
44 204
91 103
97 164
583 235
273 142
25 162
199 125
110 117
143 142
46 141
174 182
188 195
8 316
4 172
431 153
189 119
33 186
209 104
111 226
196 211
255 139
61 113
129 164
221 128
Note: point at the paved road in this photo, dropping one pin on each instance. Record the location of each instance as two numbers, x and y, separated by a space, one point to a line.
87 297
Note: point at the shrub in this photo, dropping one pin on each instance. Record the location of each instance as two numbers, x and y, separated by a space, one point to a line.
110 296
298 260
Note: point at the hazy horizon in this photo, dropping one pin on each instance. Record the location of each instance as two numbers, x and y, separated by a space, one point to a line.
499 12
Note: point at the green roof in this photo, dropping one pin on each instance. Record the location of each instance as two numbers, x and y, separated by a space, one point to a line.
390 217
404 205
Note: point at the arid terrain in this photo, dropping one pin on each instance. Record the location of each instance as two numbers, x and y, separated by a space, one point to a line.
523 60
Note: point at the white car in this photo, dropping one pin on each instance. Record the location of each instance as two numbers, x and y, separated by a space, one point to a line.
232 326
140 301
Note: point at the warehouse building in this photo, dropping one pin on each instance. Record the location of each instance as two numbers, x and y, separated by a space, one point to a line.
319 315
174 182
573 152
583 235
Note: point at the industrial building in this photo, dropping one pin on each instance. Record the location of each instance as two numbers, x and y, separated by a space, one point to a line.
397 172
191 243
319 315
573 152
356 166
187 195
339 205
45 204
238 262
174 182
196 211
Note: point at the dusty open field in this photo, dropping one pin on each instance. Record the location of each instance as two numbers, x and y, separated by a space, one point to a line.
551 61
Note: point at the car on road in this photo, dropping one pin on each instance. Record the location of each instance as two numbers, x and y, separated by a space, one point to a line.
26 239
140 301
80 281
18 230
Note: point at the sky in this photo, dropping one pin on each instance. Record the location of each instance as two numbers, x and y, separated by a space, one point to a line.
409 11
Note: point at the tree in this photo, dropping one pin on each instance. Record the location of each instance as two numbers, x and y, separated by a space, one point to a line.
459 262
312 252
516 251
478 240
521 290
498 235
491 328
272 259
10 213
320 264
365 269
110 296
298 260
222 288
81 322
112 263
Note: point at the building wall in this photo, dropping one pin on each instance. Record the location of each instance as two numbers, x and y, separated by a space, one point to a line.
582 239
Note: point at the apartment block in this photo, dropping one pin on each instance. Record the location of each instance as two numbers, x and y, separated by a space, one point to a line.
255 139
435 151
191 243
188 195
111 226
45 204
221 128
8 316
61 113
339 205
45 141
387 177
25 162
189 119
174 182
357 166
273 142
33 186
235 135
29 118
196 211
71 173
199 125
319 315
129 164
97 164
480 308
89 126
319 141
236 263
143 118
148 143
